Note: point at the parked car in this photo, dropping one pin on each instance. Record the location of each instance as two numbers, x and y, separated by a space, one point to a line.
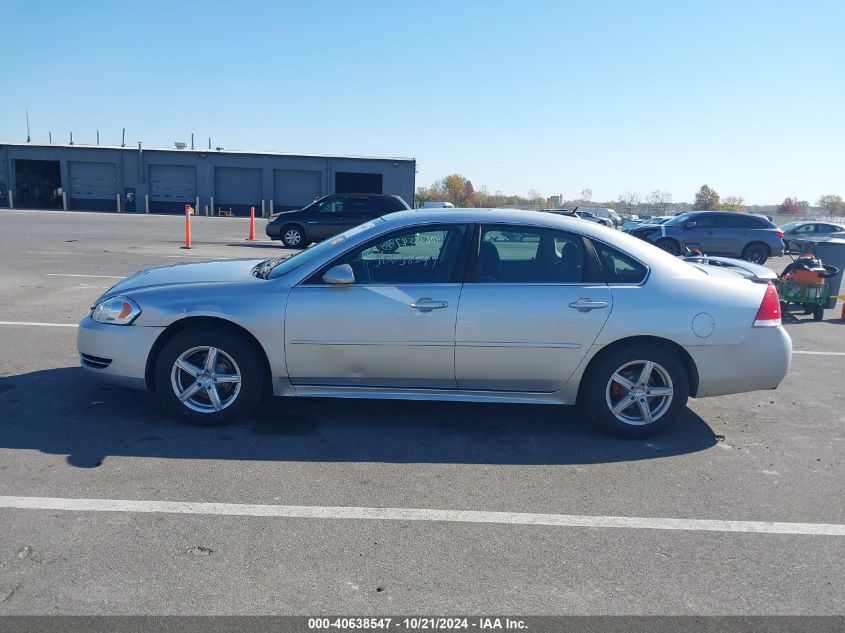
329 216
798 230
612 218
656 220
436 204
587 215
750 237
571 313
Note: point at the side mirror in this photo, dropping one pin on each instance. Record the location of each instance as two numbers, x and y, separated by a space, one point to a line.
691 224
341 274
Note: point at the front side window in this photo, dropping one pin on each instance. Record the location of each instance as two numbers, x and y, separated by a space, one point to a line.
427 255
807 228
529 255
332 205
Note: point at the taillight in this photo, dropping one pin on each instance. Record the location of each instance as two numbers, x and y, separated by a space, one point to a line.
769 313
779 233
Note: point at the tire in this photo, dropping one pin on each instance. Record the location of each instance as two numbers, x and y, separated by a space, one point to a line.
669 245
756 253
293 236
667 374
818 312
236 357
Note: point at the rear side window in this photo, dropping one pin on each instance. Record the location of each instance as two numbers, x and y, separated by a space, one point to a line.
360 204
529 255
618 267
391 204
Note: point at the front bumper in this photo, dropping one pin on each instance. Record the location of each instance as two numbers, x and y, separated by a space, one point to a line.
125 347
274 230
761 361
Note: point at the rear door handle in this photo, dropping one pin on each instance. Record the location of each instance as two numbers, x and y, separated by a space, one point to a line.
584 304
427 304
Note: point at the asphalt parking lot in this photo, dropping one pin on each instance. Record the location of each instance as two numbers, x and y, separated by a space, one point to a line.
762 457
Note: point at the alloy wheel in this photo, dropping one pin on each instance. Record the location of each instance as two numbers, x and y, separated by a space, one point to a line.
206 379
639 392
293 237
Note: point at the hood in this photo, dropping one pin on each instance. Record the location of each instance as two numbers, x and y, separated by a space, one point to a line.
185 274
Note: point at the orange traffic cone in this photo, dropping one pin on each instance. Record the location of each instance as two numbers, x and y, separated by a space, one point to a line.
251 224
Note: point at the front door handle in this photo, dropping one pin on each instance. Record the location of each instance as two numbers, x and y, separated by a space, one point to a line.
427 304
584 304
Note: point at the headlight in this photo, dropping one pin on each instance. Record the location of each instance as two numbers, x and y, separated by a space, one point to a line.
117 310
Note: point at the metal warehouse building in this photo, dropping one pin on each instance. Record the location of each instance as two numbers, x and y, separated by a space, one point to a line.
135 179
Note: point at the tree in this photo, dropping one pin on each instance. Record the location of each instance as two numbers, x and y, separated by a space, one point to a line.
733 203
833 205
629 201
706 199
586 194
789 205
659 201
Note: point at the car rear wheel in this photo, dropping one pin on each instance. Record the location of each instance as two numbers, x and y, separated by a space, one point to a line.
209 376
636 391
756 252
293 236
669 245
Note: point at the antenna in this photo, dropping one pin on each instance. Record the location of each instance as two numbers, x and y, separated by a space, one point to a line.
71 138
192 140
50 136
98 137
209 143
123 138
27 126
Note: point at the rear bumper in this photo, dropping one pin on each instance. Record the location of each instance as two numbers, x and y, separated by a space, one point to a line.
116 353
761 361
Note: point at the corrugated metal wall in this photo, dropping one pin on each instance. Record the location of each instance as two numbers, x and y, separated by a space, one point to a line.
93 175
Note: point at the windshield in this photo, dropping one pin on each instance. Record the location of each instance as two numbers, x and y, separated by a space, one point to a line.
280 266
789 225
679 219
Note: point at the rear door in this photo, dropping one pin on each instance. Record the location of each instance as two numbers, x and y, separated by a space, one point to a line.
528 314
360 209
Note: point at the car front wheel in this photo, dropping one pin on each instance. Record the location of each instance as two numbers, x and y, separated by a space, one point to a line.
209 376
669 245
636 391
293 237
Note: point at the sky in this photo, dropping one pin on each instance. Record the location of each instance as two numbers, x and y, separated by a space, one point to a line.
615 96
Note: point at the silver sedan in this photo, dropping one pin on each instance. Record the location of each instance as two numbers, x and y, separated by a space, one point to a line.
445 305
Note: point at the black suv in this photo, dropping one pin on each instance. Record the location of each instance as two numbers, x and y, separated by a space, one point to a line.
329 216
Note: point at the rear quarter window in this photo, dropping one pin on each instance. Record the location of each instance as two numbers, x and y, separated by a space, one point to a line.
618 267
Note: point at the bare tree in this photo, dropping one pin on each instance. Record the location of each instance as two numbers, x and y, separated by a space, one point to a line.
658 201
629 202
586 194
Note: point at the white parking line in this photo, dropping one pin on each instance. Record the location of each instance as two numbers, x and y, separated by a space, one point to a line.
418 514
92 276
795 351
37 324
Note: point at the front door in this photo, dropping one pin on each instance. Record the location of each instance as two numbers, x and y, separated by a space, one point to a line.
325 219
529 317
393 327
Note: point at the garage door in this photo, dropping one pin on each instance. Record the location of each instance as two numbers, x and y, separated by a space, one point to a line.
92 185
294 188
172 187
237 188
